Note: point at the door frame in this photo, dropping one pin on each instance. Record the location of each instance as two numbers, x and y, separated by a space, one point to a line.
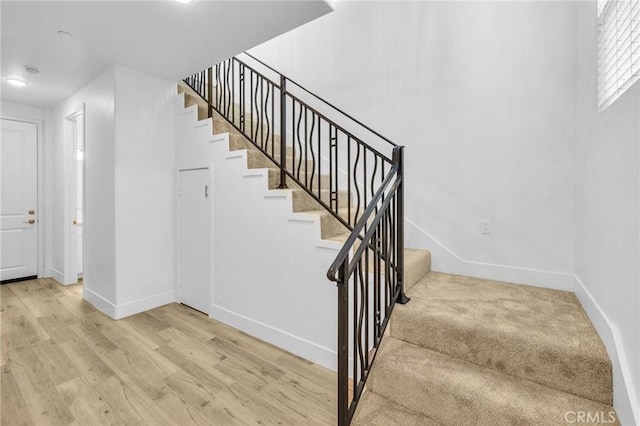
42 217
70 273
178 294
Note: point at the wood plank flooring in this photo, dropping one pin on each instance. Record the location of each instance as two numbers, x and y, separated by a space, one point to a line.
64 362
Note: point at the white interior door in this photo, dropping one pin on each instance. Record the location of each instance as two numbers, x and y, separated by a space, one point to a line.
195 239
19 198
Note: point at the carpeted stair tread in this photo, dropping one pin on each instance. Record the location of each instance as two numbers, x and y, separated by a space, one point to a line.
238 141
537 334
329 225
274 179
302 201
374 410
258 160
341 238
456 392
417 262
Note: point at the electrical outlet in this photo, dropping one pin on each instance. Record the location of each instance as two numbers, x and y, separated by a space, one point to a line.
485 226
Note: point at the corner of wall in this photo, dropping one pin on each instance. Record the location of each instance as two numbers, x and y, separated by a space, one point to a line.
99 302
143 304
625 394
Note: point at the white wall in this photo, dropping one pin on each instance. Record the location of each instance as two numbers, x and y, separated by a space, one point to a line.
15 110
481 95
144 190
608 211
129 217
97 97
257 285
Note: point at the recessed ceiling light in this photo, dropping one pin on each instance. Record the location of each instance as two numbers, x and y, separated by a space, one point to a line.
64 34
32 70
16 82
184 1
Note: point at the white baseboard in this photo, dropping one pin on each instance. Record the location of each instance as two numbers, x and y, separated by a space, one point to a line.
47 273
136 306
102 304
55 274
445 260
294 344
130 308
625 395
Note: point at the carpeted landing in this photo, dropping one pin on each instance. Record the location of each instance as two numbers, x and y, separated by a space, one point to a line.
467 351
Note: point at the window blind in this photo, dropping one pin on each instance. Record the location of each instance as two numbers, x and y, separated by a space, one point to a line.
618 48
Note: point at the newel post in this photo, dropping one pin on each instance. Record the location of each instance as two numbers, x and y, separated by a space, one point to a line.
398 159
343 349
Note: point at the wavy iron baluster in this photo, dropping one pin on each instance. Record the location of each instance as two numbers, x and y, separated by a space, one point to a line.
355 182
228 90
373 176
267 122
306 148
299 142
218 87
313 157
242 89
361 311
254 104
261 114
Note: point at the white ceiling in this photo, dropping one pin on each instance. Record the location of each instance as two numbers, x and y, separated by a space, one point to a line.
163 38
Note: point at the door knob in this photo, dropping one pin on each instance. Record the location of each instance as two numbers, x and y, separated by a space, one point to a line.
30 221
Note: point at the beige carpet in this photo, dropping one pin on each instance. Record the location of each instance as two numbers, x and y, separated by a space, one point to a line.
466 351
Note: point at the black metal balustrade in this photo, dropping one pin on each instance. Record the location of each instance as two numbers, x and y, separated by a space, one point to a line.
322 150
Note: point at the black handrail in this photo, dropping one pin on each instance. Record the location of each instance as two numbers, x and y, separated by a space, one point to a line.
343 254
325 102
355 177
354 168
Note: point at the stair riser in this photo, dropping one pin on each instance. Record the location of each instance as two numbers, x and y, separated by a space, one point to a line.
417 264
454 392
374 410
221 125
330 226
190 99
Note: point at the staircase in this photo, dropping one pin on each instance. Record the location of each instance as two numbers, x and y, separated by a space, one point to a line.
464 351
467 351
417 262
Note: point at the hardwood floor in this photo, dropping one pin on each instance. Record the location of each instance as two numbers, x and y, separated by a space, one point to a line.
64 362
